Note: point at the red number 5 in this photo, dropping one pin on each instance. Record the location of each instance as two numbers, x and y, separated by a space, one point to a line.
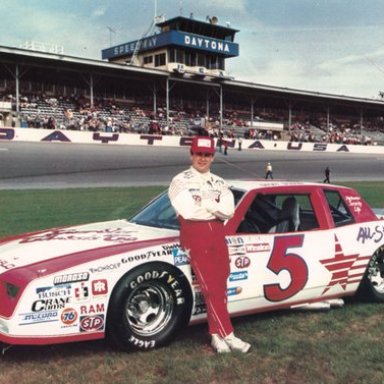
282 260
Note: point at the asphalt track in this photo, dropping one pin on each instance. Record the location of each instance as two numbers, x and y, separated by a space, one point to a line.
64 165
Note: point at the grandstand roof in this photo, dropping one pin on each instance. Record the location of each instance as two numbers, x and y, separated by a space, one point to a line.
54 65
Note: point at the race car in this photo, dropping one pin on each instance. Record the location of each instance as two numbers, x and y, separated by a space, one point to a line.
291 245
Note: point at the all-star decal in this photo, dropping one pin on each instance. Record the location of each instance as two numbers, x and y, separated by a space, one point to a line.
339 266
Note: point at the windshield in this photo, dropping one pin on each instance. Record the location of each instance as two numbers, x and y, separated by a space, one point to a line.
160 213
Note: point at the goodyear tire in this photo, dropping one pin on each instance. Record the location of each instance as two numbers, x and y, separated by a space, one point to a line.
372 285
149 306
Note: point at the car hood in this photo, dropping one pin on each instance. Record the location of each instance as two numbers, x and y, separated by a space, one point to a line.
116 236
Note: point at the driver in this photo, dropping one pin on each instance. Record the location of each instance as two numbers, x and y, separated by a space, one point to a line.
202 202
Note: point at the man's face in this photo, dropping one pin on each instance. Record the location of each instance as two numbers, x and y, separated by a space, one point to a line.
202 161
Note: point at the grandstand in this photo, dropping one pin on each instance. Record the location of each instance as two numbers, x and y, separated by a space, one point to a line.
168 86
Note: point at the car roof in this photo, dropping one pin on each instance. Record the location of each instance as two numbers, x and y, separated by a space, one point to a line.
250 184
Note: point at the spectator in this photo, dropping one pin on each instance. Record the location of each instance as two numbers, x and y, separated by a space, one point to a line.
268 171
327 174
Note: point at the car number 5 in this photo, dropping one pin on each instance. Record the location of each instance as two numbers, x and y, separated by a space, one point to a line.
281 260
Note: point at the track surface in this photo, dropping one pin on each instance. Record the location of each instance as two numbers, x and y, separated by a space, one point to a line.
59 165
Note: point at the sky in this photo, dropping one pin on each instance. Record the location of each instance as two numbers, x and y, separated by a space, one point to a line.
328 46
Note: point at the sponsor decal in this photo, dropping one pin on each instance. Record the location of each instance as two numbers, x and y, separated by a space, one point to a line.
171 247
199 303
354 202
106 268
69 316
115 235
92 309
261 247
81 293
375 234
35 318
180 257
142 343
148 255
52 304
236 276
234 291
236 250
6 265
91 323
165 277
242 262
99 287
55 291
235 240
71 278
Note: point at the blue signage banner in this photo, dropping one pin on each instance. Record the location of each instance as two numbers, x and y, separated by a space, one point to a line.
175 38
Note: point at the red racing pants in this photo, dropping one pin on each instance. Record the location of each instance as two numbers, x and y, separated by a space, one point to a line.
209 259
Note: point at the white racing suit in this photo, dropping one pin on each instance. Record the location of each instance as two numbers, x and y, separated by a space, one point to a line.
203 202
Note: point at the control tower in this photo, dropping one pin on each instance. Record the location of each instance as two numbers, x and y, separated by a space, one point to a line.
183 46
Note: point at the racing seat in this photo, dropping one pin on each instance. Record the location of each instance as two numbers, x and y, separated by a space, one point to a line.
289 218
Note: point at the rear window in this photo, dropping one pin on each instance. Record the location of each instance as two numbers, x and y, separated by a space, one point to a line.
339 210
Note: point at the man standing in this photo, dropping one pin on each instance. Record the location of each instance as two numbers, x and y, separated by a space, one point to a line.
202 202
268 171
327 174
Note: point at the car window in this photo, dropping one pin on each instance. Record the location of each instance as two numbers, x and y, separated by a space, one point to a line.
271 213
339 210
158 213
237 195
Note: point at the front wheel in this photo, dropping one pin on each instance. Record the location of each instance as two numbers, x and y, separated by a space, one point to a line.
148 306
372 285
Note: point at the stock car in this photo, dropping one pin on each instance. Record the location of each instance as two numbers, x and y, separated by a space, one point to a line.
291 245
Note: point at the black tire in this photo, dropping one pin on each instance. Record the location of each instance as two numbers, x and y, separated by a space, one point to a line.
148 307
372 286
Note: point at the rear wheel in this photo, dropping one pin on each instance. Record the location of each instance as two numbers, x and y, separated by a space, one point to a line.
148 306
372 286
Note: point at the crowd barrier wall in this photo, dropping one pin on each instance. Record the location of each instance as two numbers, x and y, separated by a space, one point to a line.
112 138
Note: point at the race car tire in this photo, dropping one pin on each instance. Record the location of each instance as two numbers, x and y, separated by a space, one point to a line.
149 306
372 286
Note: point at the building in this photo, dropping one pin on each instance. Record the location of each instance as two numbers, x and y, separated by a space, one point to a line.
181 67
184 46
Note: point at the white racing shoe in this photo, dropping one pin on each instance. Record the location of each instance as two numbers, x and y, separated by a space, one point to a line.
219 345
236 344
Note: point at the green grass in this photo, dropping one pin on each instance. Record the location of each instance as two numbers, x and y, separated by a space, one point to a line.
332 347
24 211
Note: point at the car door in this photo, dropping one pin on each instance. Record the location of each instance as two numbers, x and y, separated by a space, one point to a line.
284 257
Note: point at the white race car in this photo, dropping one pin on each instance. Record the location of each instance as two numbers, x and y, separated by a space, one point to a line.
291 245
